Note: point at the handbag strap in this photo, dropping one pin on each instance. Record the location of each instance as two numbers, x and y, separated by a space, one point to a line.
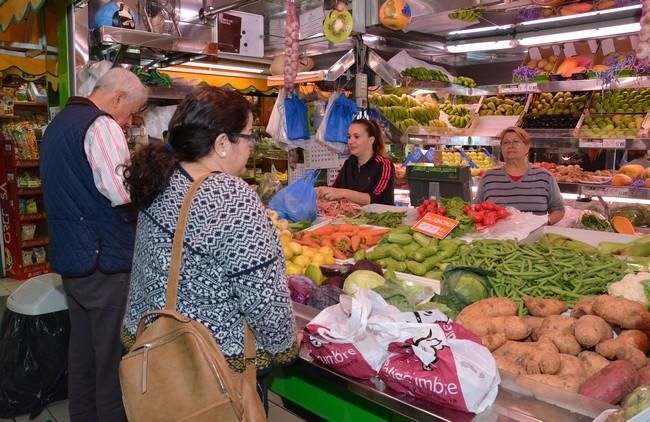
174 274
173 277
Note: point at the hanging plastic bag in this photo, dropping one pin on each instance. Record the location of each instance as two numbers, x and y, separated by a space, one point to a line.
322 127
297 121
343 112
297 202
277 126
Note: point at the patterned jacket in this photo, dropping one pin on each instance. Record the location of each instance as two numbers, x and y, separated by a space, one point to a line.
233 268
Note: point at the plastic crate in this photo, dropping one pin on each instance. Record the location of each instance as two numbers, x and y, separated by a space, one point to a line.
318 156
297 173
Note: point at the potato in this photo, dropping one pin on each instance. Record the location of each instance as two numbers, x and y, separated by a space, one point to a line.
491 307
644 375
622 312
634 338
513 327
531 357
570 365
494 341
555 325
533 323
567 345
508 365
633 355
611 383
516 328
564 382
592 362
541 307
589 330
583 307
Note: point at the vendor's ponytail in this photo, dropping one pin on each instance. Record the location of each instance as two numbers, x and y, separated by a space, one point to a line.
374 130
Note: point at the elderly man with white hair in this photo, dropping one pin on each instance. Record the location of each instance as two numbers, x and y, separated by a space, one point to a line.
92 233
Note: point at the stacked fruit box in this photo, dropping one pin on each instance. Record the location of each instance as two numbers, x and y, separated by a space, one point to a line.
499 112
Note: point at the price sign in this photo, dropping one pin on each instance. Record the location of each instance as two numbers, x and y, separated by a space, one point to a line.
435 225
614 143
439 140
590 143
618 192
517 88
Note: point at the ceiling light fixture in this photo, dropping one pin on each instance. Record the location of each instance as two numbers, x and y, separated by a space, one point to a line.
605 31
484 29
616 10
480 46
218 66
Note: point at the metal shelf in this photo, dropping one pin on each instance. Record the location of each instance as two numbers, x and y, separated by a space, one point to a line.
629 192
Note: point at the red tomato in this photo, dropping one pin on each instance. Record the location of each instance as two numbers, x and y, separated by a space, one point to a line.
489 206
502 213
478 216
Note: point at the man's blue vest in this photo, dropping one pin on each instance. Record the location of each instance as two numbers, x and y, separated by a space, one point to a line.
86 234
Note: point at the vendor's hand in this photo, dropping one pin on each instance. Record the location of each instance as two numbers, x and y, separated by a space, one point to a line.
330 194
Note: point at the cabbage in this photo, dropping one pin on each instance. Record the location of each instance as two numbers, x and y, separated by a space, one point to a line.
365 264
362 279
462 286
412 293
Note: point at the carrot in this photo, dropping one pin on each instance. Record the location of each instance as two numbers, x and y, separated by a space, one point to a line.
298 236
346 228
326 241
336 237
338 254
373 232
370 240
371 243
355 242
325 231
310 243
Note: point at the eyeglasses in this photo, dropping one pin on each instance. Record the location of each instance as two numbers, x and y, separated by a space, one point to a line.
516 143
252 139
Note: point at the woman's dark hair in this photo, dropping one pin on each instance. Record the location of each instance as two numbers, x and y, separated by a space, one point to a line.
636 153
373 129
203 115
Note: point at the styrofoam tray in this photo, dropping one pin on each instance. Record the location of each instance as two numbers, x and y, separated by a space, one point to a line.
590 237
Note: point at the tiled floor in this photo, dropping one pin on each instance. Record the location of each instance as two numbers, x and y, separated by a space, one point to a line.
58 412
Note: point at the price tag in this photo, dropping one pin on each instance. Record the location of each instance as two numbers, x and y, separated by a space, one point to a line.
618 192
439 140
517 88
590 143
435 225
615 143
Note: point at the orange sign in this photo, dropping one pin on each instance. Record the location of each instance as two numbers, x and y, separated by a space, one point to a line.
435 225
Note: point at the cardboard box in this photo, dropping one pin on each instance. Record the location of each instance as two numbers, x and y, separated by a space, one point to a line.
578 48
621 45
543 53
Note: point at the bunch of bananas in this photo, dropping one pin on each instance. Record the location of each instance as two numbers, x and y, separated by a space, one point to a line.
468 14
424 74
465 81
458 115
498 106
403 125
391 100
437 123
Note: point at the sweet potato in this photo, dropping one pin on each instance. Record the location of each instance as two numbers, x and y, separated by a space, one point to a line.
567 345
494 341
513 327
491 307
644 375
622 312
571 366
541 307
533 322
592 362
534 358
563 382
633 355
589 330
583 307
634 338
506 364
555 325
612 383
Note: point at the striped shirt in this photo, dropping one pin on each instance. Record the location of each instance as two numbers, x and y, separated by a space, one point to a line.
106 150
376 178
536 191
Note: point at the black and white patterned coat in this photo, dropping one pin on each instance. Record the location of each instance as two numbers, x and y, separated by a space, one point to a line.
232 267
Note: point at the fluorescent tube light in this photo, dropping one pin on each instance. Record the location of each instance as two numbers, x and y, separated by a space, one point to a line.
480 46
211 72
580 15
484 29
218 66
605 31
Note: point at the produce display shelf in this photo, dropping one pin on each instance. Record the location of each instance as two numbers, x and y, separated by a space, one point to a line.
605 190
27 163
30 104
30 191
42 241
336 397
32 217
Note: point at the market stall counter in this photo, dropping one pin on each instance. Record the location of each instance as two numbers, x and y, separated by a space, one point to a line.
335 397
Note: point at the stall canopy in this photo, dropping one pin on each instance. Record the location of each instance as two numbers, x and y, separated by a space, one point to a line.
28 39
242 85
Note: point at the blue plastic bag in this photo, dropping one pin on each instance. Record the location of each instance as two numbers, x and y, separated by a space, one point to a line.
297 202
343 112
295 112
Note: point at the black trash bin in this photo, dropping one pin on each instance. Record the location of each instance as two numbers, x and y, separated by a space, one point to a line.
34 337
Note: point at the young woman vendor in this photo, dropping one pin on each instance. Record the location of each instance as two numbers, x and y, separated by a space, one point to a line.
367 176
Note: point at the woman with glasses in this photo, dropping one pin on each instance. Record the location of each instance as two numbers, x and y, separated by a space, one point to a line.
519 184
367 176
233 267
